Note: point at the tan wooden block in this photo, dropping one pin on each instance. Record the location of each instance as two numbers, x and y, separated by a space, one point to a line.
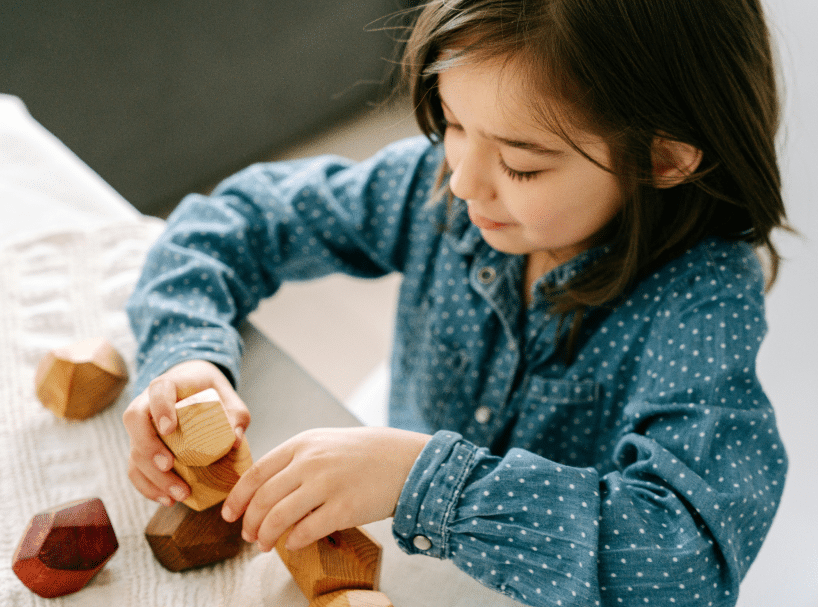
344 560
80 380
203 433
352 597
212 483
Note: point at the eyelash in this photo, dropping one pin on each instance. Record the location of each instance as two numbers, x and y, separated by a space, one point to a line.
513 174
517 175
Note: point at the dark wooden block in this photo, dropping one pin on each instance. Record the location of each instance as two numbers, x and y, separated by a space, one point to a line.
63 548
183 538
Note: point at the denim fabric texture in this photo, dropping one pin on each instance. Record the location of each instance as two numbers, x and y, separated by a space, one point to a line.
644 471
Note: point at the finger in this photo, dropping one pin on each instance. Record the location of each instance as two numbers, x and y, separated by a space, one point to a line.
147 488
168 483
264 501
144 439
263 470
316 525
237 414
162 403
287 512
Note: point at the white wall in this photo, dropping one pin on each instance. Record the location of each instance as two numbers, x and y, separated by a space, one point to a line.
786 571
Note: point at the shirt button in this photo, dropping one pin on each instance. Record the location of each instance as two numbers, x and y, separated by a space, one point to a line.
483 414
486 275
422 543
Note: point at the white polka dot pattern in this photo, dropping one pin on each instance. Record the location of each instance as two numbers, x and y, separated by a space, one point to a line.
645 471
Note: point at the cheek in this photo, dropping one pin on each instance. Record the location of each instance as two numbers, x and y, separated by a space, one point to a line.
453 147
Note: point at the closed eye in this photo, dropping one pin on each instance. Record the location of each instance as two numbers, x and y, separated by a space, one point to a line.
517 175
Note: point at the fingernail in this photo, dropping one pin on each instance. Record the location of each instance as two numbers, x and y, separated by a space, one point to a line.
246 536
227 514
177 492
165 501
161 462
239 432
164 425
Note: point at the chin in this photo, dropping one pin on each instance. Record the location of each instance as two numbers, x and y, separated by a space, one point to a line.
503 245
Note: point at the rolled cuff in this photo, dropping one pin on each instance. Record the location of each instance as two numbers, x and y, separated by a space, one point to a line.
431 493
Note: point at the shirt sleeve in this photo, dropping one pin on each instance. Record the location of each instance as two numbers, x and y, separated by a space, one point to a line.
220 255
697 477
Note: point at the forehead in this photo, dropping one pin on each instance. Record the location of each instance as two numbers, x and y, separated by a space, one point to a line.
501 90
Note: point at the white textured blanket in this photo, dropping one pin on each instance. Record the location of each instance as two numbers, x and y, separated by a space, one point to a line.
55 289
61 287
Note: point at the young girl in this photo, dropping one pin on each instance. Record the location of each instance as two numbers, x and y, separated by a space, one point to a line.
575 414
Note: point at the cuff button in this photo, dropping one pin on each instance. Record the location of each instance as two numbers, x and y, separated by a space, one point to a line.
422 543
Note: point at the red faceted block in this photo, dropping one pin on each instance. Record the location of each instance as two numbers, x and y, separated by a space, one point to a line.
63 548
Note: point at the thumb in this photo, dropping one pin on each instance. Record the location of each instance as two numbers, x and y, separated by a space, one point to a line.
237 414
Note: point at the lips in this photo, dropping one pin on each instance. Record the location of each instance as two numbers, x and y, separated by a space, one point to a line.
485 223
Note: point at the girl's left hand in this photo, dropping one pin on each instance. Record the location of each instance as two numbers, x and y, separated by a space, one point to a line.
321 481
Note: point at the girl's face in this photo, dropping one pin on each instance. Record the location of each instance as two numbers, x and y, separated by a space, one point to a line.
527 190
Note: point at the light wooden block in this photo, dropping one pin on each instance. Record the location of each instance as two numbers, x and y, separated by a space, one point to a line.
81 379
203 433
212 483
352 597
182 538
343 561
63 548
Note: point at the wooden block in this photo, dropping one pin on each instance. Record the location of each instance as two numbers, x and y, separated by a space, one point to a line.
80 380
352 597
203 433
63 548
344 560
212 483
182 538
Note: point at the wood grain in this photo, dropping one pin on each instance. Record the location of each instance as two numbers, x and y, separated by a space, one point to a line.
64 547
344 560
80 380
212 483
203 433
182 538
352 597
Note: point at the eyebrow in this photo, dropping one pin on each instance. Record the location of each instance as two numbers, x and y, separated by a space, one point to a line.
528 146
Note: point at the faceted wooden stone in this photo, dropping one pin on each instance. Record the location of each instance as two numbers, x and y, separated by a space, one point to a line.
81 379
352 597
211 484
344 560
203 433
63 548
182 538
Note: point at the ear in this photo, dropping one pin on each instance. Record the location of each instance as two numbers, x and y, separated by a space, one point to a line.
673 161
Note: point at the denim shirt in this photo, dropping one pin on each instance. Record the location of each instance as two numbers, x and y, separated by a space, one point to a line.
646 470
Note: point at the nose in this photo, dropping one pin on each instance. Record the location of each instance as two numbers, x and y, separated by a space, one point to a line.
470 178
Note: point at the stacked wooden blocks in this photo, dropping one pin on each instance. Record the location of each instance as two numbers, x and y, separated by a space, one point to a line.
63 548
202 448
194 534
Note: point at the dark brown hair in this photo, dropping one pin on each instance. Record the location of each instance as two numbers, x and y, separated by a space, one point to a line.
699 72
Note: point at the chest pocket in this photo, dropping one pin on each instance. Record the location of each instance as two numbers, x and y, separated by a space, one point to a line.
559 419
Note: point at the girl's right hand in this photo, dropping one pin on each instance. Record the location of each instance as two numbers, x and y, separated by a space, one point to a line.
150 461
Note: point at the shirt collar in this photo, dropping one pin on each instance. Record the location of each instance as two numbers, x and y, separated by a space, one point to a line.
465 238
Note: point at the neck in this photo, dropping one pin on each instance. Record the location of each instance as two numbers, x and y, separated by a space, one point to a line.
537 265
